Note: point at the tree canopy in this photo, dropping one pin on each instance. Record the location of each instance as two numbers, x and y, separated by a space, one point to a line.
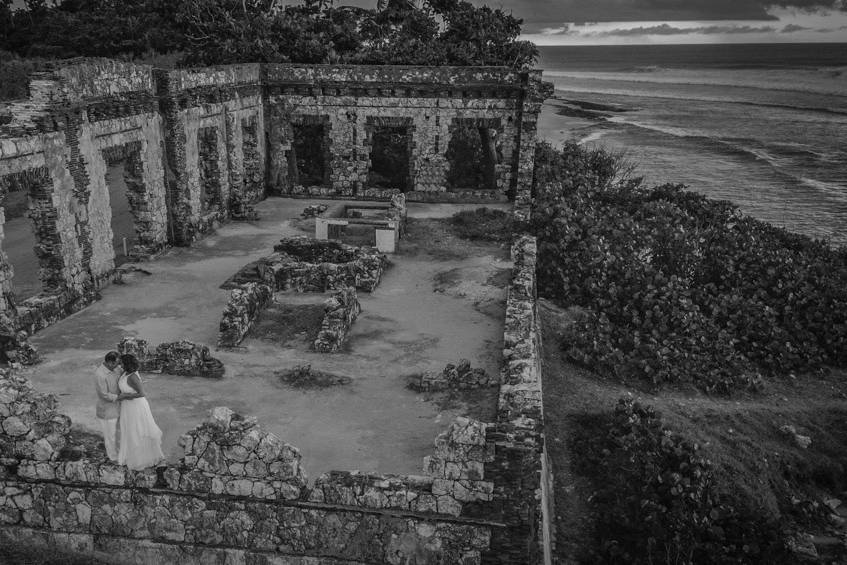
207 32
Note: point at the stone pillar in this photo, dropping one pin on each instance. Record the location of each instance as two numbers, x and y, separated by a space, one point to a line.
176 173
7 301
252 161
235 158
278 180
535 92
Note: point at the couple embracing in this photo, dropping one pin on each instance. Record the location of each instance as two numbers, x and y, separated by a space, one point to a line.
122 407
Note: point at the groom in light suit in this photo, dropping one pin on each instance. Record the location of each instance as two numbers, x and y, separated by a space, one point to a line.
108 406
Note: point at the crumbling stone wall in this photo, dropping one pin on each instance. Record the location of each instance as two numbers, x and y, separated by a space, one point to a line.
181 357
484 496
223 99
60 141
303 264
427 101
238 493
460 376
340 311
520 469
245 305
179 130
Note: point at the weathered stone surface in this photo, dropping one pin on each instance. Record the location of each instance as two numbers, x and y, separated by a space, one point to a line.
454 377
523 496
244 307
302 264
232 454
30 427
174 358
340 311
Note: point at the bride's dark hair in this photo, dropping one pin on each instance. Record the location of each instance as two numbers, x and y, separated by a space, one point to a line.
129 363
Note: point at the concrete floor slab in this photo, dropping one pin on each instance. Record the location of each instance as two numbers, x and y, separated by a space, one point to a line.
374 423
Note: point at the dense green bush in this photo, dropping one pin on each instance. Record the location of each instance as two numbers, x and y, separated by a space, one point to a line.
655 499
677 286
210 32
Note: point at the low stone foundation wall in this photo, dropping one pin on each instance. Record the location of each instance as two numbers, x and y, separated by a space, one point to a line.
454 377
302 264
340 311
182 357
238 492
520 469
244 307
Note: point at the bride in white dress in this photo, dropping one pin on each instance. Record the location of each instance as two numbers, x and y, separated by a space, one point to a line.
141 438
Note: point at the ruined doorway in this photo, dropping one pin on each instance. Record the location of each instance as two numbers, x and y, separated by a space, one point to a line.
125 185
19 242
210 173
31 242
391 153
122 222
309 155
472 156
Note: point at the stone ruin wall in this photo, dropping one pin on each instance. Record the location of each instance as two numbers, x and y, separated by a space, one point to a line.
200 145
239 493
351 101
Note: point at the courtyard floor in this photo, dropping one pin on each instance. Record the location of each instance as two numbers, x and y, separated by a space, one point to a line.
432 307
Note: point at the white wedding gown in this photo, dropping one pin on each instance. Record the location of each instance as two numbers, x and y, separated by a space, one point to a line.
141 438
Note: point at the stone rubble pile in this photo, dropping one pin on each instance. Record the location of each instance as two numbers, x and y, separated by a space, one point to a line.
245 305
313 210
455 377
30 427
303 264
174 358
340 311
231 454
16 348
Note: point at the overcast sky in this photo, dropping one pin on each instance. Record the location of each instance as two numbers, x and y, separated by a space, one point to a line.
604 22
610 22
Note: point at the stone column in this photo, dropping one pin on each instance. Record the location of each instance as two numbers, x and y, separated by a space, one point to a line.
176 173
535 92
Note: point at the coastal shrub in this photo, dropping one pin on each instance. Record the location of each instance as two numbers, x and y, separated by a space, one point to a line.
655 499
678 287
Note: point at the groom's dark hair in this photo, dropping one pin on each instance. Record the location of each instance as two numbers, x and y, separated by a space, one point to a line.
129 362
112 357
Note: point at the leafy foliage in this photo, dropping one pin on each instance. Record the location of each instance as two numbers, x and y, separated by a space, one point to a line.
108 28
655 497
678 287
437 32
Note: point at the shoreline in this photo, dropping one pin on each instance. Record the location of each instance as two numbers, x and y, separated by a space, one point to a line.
719 167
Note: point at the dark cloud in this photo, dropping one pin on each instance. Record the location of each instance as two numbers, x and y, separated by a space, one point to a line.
540 14
791 28
667 29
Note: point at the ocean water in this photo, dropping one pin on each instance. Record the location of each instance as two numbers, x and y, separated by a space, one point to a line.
764 126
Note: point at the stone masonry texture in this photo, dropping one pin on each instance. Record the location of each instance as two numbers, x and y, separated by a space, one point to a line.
240 493
200 145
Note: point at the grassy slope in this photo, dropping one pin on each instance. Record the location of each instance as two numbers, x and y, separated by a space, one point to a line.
740 435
